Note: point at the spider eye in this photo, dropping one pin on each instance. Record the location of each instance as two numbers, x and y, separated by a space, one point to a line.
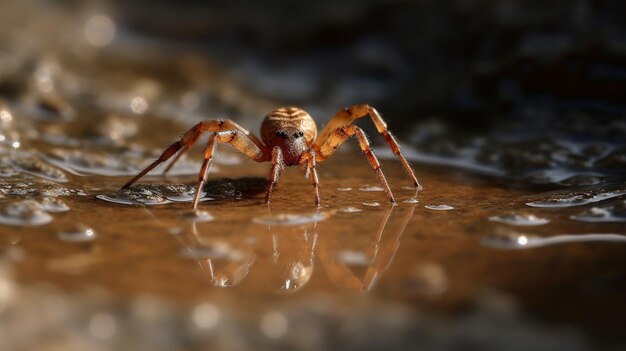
280 133
301 133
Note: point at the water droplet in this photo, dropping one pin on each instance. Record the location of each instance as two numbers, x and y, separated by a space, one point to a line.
371 204
291 219
205 316
410 201
520 219
212 250
371 188
24 213
350 209
32 166
274 325
439 207
123 200
353 258
570 200
602 214
100 30
198 216
52 204
344 189
514 240
5 116
138 105
80 234
102 326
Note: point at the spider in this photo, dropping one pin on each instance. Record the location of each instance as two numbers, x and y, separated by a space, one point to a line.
288 138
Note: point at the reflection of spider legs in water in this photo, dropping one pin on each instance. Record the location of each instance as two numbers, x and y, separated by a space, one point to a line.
289 263
377 260
237 268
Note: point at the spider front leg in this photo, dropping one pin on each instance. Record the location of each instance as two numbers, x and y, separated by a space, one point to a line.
237 139
308 162
347 116
275 172
339 136
190 137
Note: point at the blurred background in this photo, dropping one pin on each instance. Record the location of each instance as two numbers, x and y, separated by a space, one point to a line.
505 99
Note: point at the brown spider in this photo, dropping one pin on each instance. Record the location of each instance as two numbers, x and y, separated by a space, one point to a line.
290 138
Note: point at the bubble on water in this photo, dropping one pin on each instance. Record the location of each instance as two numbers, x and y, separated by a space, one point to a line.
370 204
571 200
32 166
198 216
24 213
350 209
79 234
514 240
602 214
410 201
52 204
520 219
344 189
353 258
439 207
371 188
289 219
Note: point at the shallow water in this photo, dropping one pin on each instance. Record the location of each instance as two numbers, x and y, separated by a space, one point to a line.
510 235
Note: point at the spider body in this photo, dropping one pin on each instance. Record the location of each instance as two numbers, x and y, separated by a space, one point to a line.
292 130
289 137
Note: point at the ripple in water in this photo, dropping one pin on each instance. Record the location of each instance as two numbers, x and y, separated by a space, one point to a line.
289 219
439 207
520 219
80 234
24 213
344 189
568 200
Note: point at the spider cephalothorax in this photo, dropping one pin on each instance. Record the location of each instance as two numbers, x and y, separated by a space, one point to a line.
288 138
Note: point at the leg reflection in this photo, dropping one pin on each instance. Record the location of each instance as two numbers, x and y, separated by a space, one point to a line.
375 261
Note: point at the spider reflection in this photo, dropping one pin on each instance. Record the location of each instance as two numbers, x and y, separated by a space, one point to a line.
283 258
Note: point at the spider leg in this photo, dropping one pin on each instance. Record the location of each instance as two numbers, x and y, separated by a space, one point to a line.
214 125
311 169
347 116
339 136
239 140
253 148
275 172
